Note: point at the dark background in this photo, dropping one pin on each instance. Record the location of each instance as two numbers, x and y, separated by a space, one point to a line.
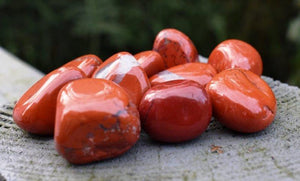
50 33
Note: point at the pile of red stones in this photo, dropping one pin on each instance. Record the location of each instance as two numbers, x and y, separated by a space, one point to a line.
95 109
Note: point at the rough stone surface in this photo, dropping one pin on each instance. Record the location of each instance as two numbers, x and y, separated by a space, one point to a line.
218 154
15 77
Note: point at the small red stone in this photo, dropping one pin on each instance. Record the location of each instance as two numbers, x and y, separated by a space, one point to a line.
151 62
87 63
201 73
236 54
123 69
175 47
175 111
241 100
95 120
35 110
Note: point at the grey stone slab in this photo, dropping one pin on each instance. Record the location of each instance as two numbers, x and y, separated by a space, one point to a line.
15 77
218 154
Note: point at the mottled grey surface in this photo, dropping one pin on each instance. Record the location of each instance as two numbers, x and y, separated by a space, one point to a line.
15 77
218 154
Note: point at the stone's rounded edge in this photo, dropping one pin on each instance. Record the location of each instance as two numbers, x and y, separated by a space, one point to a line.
234 53
35 110
175 47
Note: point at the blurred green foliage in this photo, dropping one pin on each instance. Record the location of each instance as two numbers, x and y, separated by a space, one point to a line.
49 33
294 36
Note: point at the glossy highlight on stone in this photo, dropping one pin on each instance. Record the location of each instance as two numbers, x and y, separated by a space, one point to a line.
35 110
95 120
151 62
175 111
175 47
123 69
236 54
87 63
241 100
201 73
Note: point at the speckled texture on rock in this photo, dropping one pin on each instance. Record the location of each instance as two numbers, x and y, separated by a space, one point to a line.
15 77
272 154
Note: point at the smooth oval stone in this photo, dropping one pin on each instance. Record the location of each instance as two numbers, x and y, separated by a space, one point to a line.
151 62
35 110
175 111
123 69
87 63
236 54
95 120
175 47
241 100
201 73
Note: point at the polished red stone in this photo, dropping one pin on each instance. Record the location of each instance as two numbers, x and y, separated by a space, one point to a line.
199 72
123 69
35 110
175 47
175 111
151 62
87 63
236 54
95 120
241 100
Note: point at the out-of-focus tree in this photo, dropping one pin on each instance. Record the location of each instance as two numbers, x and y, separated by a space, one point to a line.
294 35
49 33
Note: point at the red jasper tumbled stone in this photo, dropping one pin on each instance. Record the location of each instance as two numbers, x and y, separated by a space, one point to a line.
123 69
175 47
236 54
151 62
202 73
95 120
35 110
175 111
241 100
87 63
